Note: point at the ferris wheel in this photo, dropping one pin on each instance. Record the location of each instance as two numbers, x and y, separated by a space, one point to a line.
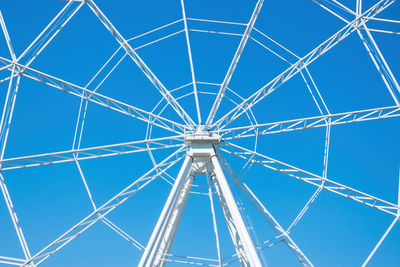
203 137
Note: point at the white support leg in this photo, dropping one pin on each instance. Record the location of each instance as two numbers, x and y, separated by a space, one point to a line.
163 234
243 244
202 159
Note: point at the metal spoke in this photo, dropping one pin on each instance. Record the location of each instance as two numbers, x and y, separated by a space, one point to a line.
311 122
7 37
98 98
11 261
50 32
300 64
234 62
140 63
102 211
47 35
90 153
169 131
315 180
191 62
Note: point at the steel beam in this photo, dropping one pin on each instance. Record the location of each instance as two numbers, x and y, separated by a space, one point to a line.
234 62
103 210
240 236
140 63
164 232
310 122
316 180
282 78
94 97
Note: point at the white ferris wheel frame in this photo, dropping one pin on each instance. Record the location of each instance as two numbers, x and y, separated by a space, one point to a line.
200 143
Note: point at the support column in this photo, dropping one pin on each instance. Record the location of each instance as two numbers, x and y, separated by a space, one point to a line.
163 234
240 236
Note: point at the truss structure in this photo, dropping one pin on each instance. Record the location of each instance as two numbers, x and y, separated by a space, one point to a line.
202 145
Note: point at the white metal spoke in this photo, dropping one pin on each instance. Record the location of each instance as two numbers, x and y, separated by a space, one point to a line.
311 122
301 64
50 31
140 63
315 180
7 37
47 35
11 261
191 62
177 126
98 98
102 211
234 62
91 153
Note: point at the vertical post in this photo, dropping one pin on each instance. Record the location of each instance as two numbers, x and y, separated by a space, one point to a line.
164 232
240 236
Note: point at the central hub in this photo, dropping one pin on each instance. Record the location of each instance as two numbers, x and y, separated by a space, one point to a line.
201 136
202 142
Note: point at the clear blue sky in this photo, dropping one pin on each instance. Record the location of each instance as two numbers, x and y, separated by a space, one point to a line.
49 200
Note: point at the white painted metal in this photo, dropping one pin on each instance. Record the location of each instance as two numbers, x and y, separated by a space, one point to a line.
240 237
196 98
164 232
204 142
141 64
381 240
315 180
97 98
104 209
311 122
380 63
284 235
299 65
234 62
157 250
5 123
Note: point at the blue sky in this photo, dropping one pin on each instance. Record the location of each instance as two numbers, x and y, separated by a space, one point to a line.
49 200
